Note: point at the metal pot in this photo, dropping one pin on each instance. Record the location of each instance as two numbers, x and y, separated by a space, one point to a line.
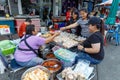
54 66
33 68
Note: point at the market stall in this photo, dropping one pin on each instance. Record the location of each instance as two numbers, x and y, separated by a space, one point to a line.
59 61
59 22
8 21
21 18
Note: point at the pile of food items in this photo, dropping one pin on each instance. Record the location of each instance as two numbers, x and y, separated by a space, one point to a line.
69 74
80 71
36 74
65 39
46 35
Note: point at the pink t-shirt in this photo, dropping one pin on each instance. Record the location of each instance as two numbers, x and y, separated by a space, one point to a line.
35 42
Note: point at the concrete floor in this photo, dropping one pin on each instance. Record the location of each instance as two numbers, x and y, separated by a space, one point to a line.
109 69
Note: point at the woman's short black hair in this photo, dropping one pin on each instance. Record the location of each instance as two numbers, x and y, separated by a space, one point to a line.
29 29
28 20
76 12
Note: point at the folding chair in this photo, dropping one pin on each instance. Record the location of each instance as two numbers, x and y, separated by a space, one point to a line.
114 34
11 67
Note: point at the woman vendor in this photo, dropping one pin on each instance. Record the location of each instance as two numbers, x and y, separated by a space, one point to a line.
26 53
92 48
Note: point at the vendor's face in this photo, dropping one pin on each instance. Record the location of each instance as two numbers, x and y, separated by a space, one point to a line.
74 16
35 32
91 28
83 14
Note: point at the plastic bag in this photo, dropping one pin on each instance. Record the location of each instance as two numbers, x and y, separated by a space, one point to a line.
65 54
66 57
81 70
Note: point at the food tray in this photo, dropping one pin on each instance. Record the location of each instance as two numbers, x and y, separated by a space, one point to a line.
66 40
67 44
59 76
82 70
33 68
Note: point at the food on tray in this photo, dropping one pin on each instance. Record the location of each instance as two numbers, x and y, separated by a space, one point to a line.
81 76
36 74
46 35
52 64
69 74
70 44
64 72
67 40
80 71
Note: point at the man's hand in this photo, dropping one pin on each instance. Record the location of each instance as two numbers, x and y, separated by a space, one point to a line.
57 33
63 28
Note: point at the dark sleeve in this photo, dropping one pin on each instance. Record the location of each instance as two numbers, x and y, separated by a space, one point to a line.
69 22
94 39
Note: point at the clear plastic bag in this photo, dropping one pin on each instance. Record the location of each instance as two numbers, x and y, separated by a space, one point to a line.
66 57
82 70
65 54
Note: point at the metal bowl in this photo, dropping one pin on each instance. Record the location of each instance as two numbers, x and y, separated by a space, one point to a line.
33 68
53 65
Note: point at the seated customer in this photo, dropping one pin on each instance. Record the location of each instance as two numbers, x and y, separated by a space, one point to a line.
26 54
73 19
82 23
92 48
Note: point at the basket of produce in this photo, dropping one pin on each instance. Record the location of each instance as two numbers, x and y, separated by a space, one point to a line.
36 73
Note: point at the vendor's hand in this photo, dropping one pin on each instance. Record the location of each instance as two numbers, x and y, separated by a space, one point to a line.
52 32
23 33
57 33
63 28
80 47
